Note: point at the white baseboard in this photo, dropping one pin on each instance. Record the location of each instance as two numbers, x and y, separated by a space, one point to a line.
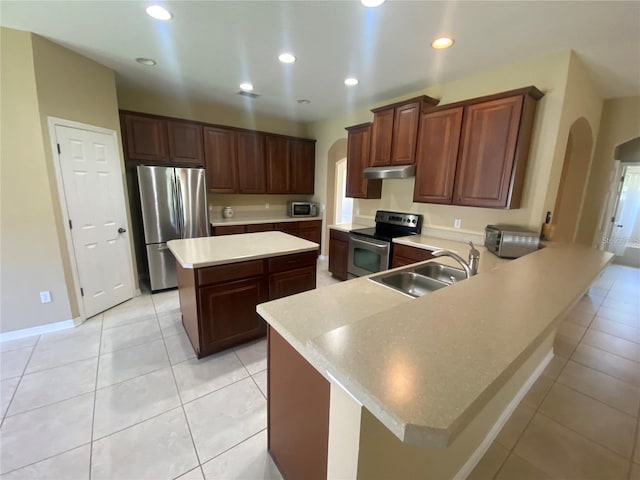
28 332
473 460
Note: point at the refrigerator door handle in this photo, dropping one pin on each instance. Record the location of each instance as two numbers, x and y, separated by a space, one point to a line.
181 213
176 204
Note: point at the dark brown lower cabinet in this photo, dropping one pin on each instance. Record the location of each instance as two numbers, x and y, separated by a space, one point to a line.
228 230
406 255
298 418
338 253
308 229
259 227
218 303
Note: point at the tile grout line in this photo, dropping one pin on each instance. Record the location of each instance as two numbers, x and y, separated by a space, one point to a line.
597 399
635 445
175 382
45 459
95 396
234 446
6 412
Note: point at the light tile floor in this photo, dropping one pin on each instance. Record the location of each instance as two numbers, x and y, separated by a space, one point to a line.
123 396
580 419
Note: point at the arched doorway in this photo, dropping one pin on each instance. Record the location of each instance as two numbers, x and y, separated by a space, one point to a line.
337 152
573 181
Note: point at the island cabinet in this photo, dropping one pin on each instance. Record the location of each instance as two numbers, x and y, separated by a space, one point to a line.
474 153
406 255
338 253
358 158
218 303
395 129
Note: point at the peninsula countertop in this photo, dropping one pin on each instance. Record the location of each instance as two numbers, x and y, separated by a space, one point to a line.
221 250
425 367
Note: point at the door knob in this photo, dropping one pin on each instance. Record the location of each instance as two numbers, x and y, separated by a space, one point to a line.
619 226
122 230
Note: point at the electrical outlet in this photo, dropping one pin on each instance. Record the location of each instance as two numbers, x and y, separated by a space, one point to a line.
266 205
457 223
45 297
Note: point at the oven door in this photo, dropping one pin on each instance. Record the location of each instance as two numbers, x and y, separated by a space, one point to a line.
367 256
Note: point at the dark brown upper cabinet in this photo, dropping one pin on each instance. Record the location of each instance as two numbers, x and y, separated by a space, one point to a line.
488 150
185 142
290 165
358 151
303 163
145 138
278 165
220 160
437 155
395 129
251 162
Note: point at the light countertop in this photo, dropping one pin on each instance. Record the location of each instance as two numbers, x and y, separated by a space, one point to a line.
425 367
224 249
255 218
346 227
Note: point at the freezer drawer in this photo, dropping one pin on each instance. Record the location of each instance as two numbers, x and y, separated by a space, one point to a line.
162 267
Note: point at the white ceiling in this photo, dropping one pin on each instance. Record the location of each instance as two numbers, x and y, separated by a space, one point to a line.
209 48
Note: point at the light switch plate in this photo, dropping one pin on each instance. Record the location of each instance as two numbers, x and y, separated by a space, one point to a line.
45 297
457 223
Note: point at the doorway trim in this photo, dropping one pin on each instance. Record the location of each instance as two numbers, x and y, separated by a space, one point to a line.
62 203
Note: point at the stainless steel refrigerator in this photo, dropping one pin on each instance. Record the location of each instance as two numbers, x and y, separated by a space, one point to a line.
173 202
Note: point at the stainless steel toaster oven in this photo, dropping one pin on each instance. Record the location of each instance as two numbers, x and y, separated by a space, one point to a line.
509 241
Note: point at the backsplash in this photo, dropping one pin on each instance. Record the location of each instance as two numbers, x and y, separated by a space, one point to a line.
273 204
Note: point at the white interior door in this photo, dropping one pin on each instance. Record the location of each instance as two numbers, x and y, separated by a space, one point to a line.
94 195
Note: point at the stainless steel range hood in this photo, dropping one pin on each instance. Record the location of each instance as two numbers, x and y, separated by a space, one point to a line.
399 171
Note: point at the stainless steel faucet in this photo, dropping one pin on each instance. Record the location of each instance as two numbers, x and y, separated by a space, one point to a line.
470 267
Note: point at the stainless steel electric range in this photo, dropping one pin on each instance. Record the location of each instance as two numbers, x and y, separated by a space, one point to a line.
371 249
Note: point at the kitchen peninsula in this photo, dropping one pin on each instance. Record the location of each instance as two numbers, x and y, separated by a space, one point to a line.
222 279
393 387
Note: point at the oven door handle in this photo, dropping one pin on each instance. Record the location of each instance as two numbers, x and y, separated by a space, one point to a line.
371 244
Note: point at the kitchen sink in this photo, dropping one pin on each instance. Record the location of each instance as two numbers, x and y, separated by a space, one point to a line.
420 280
441 272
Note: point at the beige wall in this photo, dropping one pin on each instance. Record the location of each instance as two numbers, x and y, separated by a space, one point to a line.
41 79
620 122
182 107
31 258
555 114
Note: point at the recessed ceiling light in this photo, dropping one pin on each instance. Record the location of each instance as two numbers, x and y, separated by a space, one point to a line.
246 86
304 101
287 58
159 13
372 3
350 82
149 62
442 42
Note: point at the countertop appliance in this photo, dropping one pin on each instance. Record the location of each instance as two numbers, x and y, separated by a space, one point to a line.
371 249
302 209
510 241
173 202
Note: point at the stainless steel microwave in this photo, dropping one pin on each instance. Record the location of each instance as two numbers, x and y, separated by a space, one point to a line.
302 209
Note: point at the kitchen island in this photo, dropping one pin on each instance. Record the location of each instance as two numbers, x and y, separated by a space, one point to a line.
415 388
222 279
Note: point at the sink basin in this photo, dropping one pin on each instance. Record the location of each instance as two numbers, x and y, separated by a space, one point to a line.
420 280
410 283
441 272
